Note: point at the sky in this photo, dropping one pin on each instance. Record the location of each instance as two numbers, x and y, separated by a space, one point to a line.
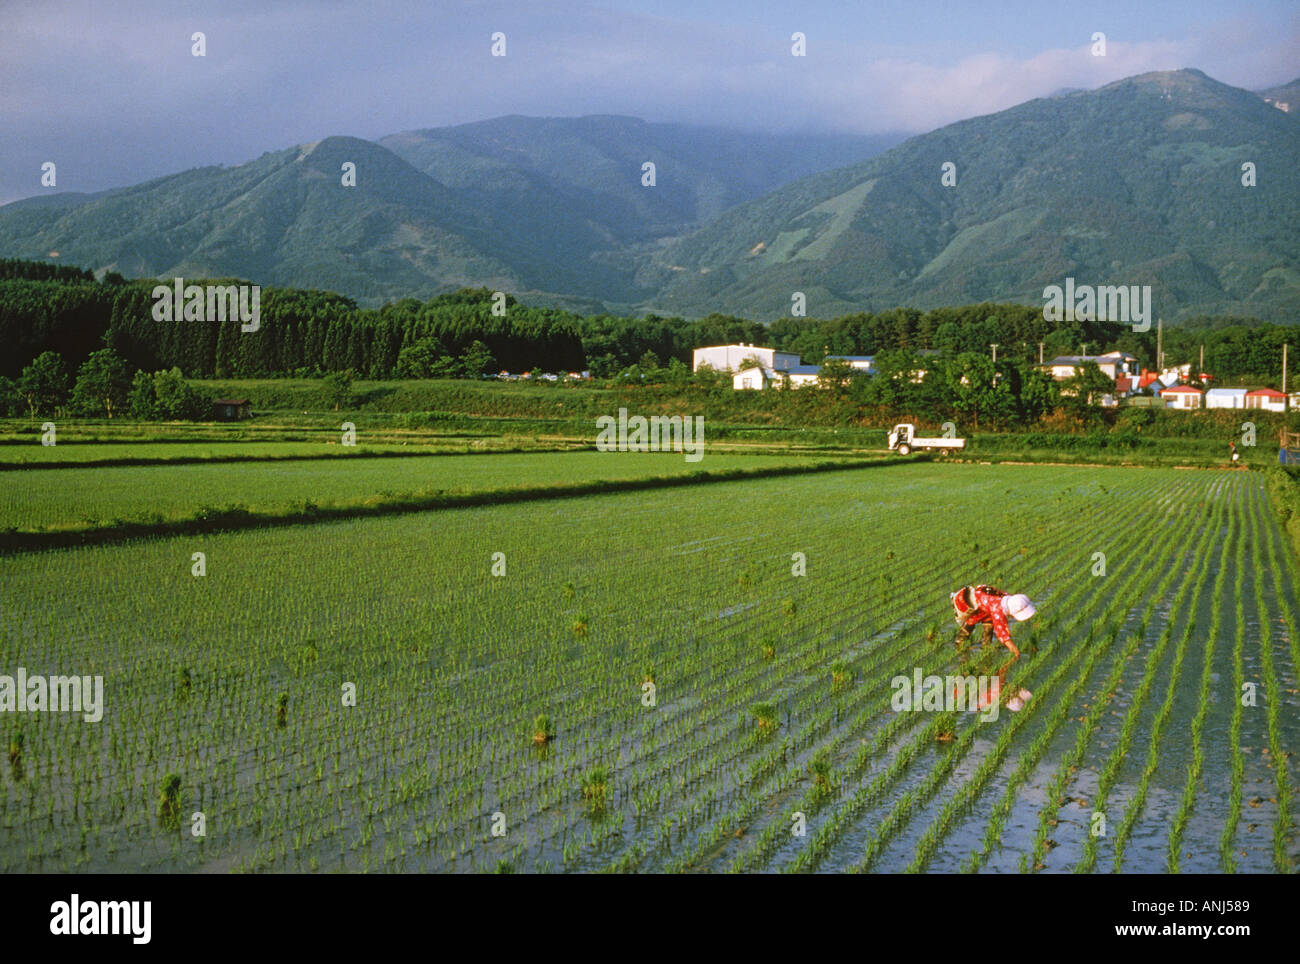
112 93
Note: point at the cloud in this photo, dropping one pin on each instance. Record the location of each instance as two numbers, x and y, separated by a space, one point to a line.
114 96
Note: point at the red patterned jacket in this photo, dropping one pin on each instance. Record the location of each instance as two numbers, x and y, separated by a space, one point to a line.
988 609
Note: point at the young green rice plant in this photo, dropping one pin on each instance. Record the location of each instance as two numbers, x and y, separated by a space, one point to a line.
185 685
1226 853
788 607
841 675
543 730
282 710
169 802
580 625
767 650
595 788
764 716
16 753
819 770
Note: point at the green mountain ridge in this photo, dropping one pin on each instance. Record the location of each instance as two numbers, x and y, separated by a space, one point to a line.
549 209
1138 182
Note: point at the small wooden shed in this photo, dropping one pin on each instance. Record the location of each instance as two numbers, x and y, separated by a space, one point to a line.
231 409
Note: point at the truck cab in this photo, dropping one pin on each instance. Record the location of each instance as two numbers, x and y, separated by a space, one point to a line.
901 437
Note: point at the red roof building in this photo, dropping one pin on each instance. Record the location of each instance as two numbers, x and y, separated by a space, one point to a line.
1182 396
1268 399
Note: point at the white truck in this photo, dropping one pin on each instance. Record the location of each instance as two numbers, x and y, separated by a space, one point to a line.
903 440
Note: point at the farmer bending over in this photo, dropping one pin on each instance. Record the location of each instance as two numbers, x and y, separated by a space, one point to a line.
974 605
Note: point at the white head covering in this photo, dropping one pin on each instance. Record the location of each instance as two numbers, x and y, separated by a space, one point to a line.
1018 607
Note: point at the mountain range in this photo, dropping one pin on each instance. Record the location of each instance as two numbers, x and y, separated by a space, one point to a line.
1137 182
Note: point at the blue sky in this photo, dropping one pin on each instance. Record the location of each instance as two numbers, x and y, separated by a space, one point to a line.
111 93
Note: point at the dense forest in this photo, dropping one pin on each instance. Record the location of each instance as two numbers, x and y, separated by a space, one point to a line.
47 308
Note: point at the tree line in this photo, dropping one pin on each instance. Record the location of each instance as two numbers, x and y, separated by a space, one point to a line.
308 333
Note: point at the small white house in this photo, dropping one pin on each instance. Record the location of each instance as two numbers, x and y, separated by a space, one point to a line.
1268 399
1113 364
799 376
1225 398
724 358
1182 397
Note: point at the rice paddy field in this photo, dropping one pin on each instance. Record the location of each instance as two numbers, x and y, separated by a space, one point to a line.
677 680
45 499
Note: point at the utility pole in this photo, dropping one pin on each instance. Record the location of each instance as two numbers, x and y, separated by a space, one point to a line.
1040 353
1201 370
1284 368
994 346
1160 343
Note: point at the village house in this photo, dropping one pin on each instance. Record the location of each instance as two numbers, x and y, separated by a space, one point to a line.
1268 399
1113 364
729 358
1225 398
1181 397
764 377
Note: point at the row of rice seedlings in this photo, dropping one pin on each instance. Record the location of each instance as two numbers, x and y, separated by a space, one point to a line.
729 678
571 724
1029 761
756 796
1138 800
965 795
755 737
1226 854
906 806
812 693
1203 699
464 782
821 840
1047 817
1284 563
1003 741
1110 771
1273 698
892 661
823 781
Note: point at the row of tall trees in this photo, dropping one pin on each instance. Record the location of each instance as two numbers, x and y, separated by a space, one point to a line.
468 332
